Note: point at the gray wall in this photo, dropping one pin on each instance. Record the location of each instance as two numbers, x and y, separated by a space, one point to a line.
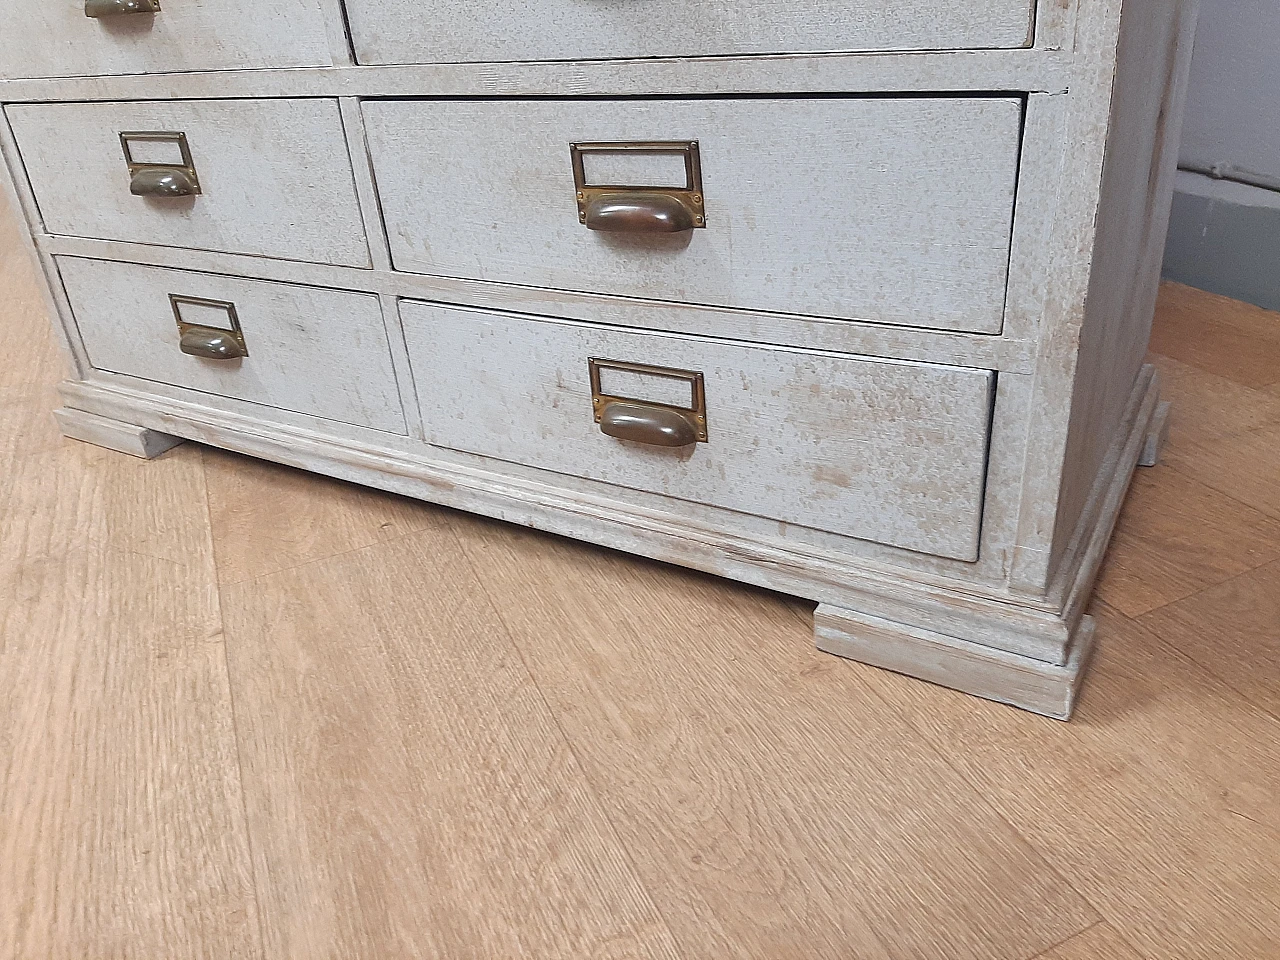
1225 231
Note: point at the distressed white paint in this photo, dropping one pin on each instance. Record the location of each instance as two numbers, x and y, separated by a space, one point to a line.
894 211
409 31
320 352
275 176
53 38
841 336
1044 688
948 619
1157 436
892 452
1136 189
114 434
835 570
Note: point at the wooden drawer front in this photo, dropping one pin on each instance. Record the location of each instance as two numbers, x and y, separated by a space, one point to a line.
318 352
408 31
896 211
54 38
274 176
880 450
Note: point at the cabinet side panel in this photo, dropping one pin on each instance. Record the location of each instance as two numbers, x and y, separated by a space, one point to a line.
17 202
1137 189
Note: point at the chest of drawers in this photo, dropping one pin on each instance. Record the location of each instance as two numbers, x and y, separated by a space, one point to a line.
847 301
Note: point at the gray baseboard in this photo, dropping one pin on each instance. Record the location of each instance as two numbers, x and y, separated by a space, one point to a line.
1225 237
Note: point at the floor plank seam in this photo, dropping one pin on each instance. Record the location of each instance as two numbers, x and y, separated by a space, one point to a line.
293 568
1189 598
1207 588
235 720
1264 510
1206 670
1062 943
1031 848
568 742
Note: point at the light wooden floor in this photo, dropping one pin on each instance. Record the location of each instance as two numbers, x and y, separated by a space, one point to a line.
246 712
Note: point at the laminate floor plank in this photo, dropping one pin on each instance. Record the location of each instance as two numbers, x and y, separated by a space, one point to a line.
122 830
32 363
1177 536
773 807
1233 631
1244 467
82 494
1219 335
258 528
1207 407
409 792
1099 942
1159 801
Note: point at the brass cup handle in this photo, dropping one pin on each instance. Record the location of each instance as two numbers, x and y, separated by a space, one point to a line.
638 212
646 423
211 344
101 9
163 182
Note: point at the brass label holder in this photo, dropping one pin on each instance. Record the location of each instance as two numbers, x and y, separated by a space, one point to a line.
695 414
204 340
661 209
104 9
149 178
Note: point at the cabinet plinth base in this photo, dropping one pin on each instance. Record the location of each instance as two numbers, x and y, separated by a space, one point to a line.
962 665
1157 436
114 434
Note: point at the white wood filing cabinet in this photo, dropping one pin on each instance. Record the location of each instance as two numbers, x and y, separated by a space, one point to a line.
849 300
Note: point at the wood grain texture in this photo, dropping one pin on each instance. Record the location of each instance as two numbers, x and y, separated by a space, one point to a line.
274 174
1157 436
1100 942
1055 24
741 766
34 364
192 35
16 194
928 246
1066 265
1244 467
1084 556
1037 207
257 532
121 820
319 352
1222 356
1157 803
1208 407
397 31
1234 340
362 177
1233 631
409 792
1178 536
882 451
